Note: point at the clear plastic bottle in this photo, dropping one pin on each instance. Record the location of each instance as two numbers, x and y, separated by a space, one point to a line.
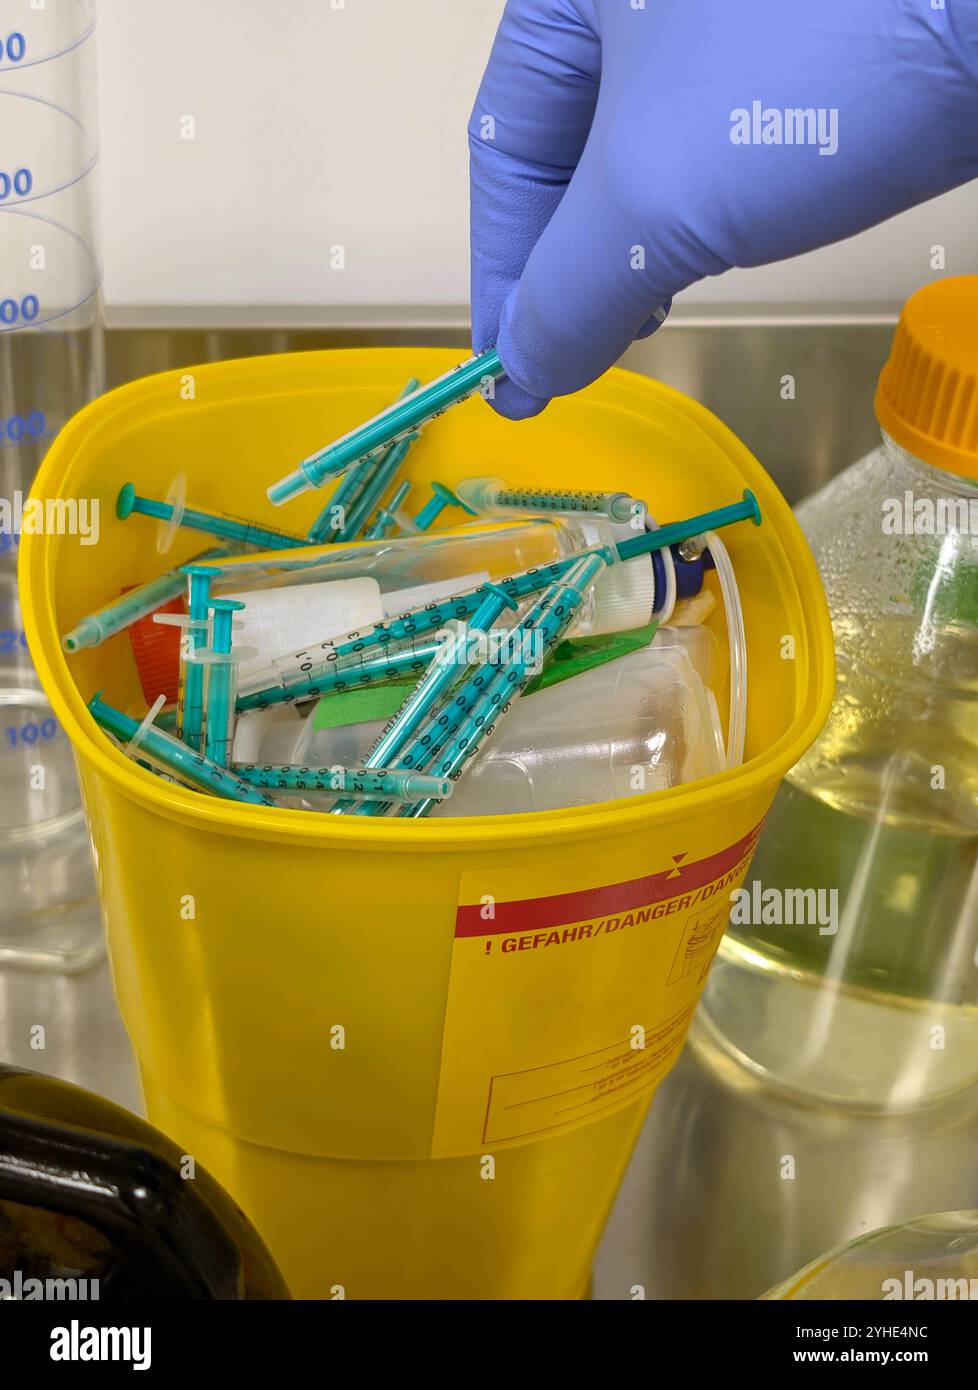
637 724
626 596
877 1006
623 598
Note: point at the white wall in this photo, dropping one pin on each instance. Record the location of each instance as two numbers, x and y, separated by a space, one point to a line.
318 126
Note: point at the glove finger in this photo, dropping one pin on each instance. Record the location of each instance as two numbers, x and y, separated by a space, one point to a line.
587 291
526 133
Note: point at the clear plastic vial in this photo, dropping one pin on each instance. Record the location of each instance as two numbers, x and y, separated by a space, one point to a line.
641 723
51 363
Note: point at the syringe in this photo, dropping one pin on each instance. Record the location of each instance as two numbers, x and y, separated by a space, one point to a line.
354 671
122 612
171 756
384 473
492 496
350 783
220 685
310 663
441 497
190 696
541 631
387 516
250 535
391 425
446 667
333 522
455 730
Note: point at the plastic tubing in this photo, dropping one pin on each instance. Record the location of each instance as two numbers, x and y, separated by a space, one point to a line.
734 613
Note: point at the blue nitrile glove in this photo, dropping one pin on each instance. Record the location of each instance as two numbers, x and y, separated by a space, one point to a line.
606 177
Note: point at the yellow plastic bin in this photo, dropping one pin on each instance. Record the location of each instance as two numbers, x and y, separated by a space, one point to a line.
417 1053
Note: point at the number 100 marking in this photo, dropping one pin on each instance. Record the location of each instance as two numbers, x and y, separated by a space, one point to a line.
21 181
27 309
18 427
13 47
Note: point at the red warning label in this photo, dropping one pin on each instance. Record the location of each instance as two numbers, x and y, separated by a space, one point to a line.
615 905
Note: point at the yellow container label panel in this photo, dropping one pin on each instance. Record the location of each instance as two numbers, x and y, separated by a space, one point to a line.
568 1005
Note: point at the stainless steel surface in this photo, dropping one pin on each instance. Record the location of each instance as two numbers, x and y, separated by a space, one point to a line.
735 364
710 1210
68 1026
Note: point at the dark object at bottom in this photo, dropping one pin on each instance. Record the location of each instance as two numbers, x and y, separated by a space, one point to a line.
88 1192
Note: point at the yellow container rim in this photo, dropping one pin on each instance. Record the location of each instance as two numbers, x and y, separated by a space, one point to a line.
708 796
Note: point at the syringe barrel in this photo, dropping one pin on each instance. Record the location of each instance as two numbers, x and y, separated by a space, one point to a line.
389 427
349 783
190 689
122 612
376 485
249 535
456 732
311 663
387 514
403 417
332 524
496 497
173 757
372 667
220 692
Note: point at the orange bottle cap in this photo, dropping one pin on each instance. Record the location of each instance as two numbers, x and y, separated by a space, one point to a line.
927 398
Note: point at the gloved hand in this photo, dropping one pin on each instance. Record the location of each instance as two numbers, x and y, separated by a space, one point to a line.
610 169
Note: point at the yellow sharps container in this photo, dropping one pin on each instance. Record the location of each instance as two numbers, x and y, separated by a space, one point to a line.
417 1053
